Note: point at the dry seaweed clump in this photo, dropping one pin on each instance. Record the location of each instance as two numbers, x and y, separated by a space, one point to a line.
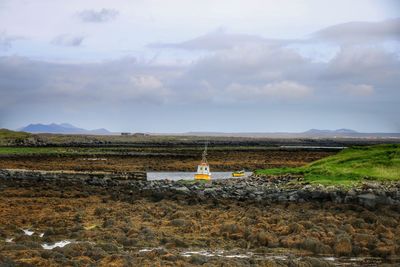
103 231
343 246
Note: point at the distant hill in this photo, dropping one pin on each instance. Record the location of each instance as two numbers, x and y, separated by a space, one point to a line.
63 128
8 136
312 133
14 138
6 133
338 131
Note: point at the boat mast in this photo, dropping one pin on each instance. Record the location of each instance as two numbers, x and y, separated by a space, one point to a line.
204 159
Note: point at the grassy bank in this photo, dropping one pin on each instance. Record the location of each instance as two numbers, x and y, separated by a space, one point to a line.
7 136
352 165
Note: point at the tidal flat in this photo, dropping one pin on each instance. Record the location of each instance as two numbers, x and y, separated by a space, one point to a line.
74 225
263 220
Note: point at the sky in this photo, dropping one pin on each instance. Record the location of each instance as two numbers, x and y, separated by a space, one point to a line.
201 65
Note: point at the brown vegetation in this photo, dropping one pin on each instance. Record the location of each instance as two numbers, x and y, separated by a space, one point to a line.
221 160
110 232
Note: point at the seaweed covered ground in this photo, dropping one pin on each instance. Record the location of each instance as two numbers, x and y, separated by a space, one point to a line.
183 158
106 229
49 222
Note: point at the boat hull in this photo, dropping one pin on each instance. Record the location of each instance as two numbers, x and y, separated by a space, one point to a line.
199 176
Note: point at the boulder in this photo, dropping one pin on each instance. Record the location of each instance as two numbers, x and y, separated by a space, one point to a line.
368 200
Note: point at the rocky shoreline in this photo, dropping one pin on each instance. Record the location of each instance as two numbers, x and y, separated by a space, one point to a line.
267 189
256 221
281 190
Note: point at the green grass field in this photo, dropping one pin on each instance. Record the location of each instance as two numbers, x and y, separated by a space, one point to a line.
350 166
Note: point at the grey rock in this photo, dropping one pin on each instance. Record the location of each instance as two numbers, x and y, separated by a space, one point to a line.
368 200
182 189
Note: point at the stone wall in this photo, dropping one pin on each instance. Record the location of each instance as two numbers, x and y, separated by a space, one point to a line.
35 174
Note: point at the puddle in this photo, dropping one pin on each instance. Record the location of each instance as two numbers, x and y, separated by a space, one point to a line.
202 253
28 232
149 249
237 256
337 261
146 250
243 254
59 244
217 253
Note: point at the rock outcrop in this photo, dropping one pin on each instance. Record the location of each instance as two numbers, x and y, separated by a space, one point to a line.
285 189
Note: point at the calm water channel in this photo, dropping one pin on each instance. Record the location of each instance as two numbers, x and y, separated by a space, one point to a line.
187 175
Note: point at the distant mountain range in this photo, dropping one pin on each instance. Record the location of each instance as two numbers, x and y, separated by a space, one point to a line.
312 133
63 128
338 131
66 128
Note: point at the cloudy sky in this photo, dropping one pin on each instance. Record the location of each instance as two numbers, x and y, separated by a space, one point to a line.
201 65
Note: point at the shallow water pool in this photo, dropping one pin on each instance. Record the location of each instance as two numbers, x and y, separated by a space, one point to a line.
151 176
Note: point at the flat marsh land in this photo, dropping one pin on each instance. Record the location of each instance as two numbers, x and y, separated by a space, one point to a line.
109 225
162 153
153 158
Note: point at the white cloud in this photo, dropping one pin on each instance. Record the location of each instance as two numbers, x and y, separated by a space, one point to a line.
219 40
362 31
148 88
146 82
358 89
79 83
364 65
235 71
282 89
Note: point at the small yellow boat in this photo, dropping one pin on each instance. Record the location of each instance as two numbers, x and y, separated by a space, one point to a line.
203 169
238 173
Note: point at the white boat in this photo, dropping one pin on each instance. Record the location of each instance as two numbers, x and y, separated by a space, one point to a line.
203 169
